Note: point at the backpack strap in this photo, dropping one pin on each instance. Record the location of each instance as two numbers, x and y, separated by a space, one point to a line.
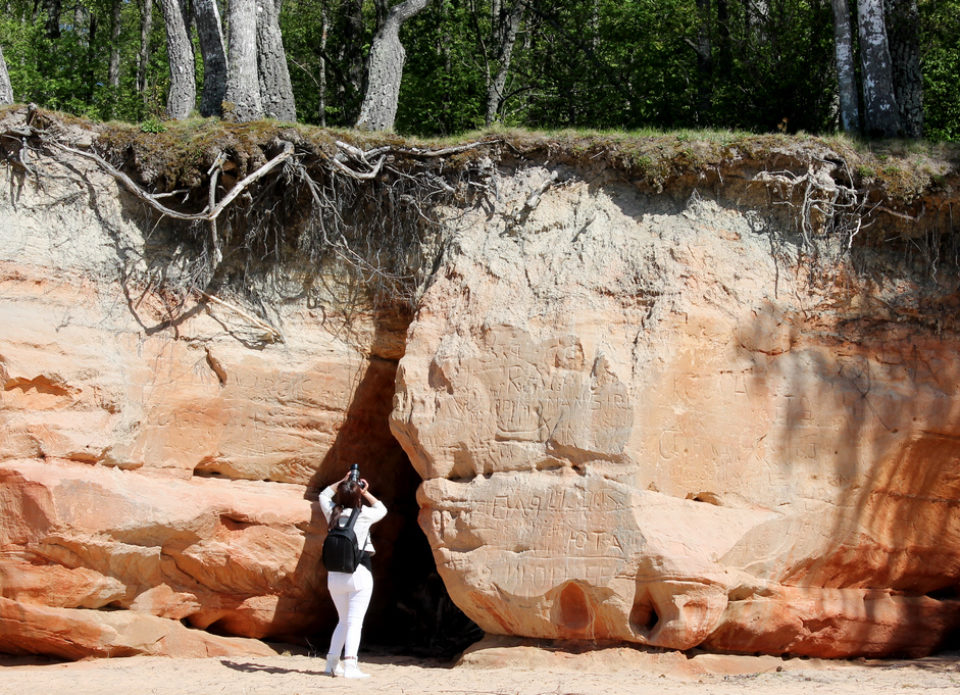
354 515
352 520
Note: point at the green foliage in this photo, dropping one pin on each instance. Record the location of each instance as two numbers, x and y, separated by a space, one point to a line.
443 87
153 125
600 64
69 73
940 45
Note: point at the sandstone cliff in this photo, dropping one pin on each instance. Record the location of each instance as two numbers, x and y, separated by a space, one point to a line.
704 407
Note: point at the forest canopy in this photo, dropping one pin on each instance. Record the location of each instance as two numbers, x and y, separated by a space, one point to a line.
757 65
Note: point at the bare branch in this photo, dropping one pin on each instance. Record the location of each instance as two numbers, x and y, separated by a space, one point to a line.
272 332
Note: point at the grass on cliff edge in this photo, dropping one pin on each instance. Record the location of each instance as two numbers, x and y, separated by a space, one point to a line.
177 154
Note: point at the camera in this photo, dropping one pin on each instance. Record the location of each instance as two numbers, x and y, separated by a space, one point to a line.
355 473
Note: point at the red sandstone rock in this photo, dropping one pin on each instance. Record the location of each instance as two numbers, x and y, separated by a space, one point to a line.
75 633
159 471
651 427
634 423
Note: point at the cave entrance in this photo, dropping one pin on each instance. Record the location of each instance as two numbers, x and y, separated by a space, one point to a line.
411 611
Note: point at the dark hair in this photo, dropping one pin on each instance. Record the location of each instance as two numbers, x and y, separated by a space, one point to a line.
349 495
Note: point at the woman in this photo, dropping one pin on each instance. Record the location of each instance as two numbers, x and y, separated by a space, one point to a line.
350 592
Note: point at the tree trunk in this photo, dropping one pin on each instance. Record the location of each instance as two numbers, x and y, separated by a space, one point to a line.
92 27
506 26
379 109
182 97
704 51
143 57
350 60
6 91
902 22
757 19
276 92
210 35
846 72
322 86
723 34
242 100
52 25
881 114
113 70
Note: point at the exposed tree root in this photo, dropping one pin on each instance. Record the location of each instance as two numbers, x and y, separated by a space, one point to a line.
373 214
826 205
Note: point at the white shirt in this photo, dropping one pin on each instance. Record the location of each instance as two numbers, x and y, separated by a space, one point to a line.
368 517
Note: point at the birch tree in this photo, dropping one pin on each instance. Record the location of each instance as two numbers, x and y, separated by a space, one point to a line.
182 97
6 91
846 71
506 24
903 19
242 100
276 91
143 56
210 35
113 68
385 68
881 114
52 25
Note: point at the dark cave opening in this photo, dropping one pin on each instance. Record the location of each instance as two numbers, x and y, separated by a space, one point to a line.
411 611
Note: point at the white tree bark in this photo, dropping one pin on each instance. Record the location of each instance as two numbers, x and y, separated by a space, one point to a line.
143 57
385 70
757 18
182 97
881 114
846 70
903 20
276 91
6 91
210 35
322 78
113 68
242 100
506 25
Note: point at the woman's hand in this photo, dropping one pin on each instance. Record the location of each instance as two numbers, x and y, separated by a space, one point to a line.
365 491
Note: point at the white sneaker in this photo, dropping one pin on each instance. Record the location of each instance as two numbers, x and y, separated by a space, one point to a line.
334 666
351 670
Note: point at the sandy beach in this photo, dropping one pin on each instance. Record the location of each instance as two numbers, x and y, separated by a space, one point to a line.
490 670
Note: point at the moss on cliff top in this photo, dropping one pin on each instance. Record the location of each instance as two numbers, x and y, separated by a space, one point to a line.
900 172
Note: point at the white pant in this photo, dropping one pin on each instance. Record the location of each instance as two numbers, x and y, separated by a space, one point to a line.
351 595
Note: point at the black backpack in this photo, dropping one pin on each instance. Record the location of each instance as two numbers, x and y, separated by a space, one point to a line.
341 552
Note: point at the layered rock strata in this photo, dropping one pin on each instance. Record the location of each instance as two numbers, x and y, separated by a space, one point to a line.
644 417
668 422
160 454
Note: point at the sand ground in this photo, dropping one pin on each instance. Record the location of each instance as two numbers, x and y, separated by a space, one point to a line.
494 670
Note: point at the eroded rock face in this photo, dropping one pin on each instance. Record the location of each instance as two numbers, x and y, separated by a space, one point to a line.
655 423
159 457
635 420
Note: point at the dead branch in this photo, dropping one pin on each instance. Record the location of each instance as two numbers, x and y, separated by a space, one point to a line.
838 207
272 332
370 212
209 212
360 176
214 174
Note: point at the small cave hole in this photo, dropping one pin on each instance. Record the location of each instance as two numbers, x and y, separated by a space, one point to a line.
707 497
575 611
644 616
946 593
